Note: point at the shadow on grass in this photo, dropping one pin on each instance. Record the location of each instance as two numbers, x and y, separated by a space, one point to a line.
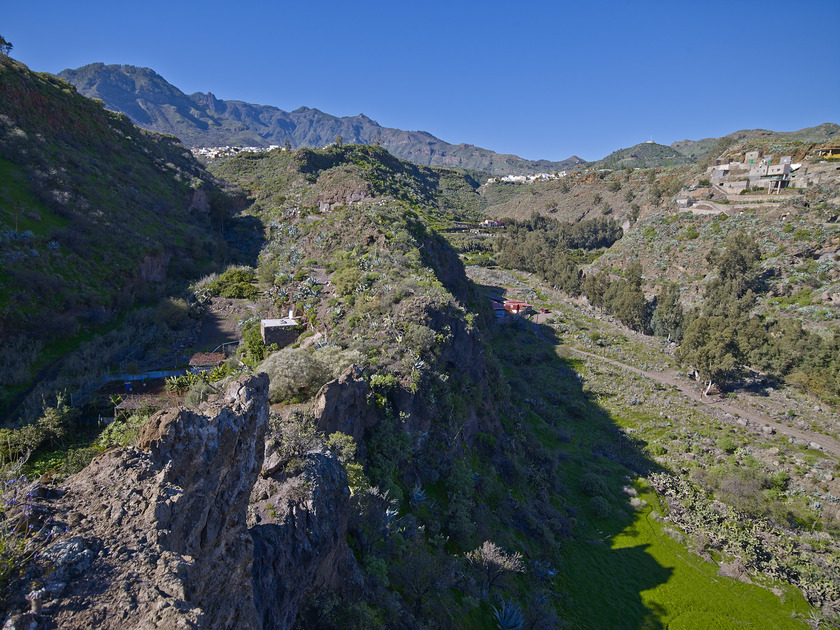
602 585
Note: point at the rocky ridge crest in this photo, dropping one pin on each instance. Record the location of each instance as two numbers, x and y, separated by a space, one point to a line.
157 536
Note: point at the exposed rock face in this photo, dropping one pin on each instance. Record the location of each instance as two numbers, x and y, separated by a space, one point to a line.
157 535
153 268
300 536
342 405
200 201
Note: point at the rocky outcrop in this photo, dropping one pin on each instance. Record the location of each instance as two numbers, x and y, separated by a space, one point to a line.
199 202
153 268
342 405
157 536
300 536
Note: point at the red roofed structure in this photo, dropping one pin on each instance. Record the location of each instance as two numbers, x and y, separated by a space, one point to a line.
517 307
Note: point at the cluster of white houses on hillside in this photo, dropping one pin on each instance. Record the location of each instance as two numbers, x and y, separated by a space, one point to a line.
211 153
527 179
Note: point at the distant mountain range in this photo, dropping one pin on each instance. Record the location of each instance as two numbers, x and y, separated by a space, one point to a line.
203 120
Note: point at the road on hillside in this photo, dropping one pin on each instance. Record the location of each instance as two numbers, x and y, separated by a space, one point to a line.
828 444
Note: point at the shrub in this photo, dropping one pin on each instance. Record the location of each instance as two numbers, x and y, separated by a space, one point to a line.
122 432
252 341
346 280
79 458
174 313
593 486
236 282
420 338
199 392
727 444
297 374
657 450
344 448
294 438
50 429
600 507
493 563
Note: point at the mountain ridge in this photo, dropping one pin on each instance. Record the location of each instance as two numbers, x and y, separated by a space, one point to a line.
202 119
643 155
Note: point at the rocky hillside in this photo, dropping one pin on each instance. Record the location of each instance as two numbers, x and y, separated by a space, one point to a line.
406 461
622 195
204 120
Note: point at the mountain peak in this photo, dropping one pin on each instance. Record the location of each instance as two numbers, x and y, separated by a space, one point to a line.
204 120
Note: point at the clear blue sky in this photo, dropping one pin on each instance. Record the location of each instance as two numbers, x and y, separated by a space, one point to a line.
538 79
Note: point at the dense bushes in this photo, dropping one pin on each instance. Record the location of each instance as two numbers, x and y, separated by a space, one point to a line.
236 282
622 297
50 429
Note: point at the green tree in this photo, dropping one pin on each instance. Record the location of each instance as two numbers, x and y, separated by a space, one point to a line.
668 318
563 273
629 305
339 140
5 47
710 346
732 290
595 287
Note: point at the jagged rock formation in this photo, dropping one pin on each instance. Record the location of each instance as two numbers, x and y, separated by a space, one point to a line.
157 537
300 536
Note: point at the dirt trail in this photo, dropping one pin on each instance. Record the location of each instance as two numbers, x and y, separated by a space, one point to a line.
828 444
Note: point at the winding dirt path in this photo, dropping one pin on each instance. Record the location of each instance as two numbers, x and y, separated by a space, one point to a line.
828 444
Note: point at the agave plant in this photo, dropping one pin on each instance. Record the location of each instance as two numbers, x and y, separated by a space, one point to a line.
509 616
418 495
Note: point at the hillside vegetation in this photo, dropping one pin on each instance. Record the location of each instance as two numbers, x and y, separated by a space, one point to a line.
643 155
544 442
96 214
